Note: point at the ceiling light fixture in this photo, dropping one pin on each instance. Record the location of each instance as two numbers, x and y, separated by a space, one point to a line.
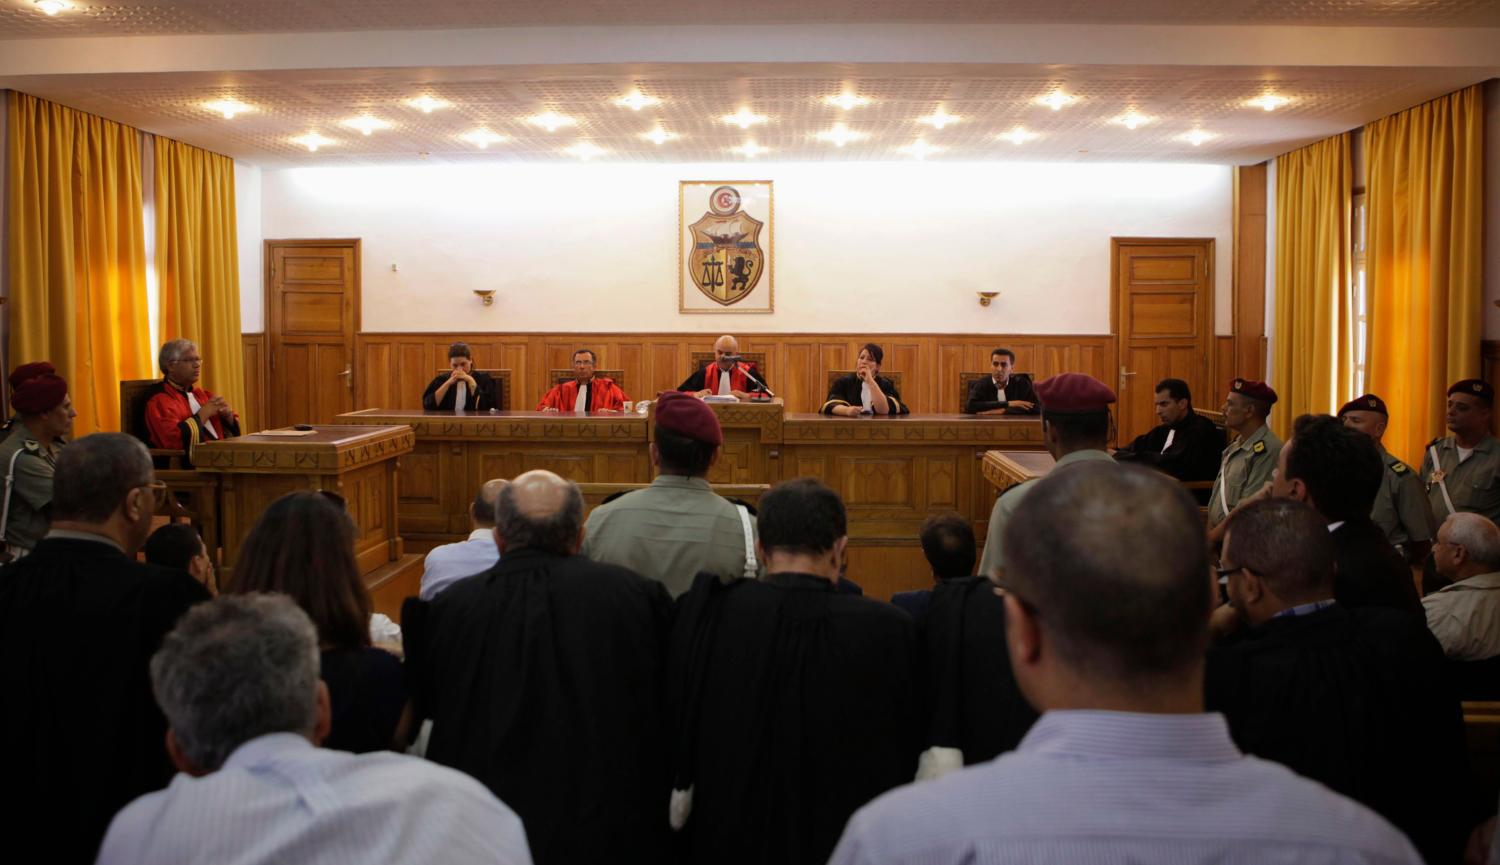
551 120
744 118
750 149
1057 100
52 7
312 141
1268 101
1198 136
1133 119
483 138
367 124
847 101
585 150
939 118
920 149
658 136
840 135
1018 136
635 100
228 107
428 104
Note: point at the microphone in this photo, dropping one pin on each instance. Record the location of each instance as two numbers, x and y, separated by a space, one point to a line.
739 361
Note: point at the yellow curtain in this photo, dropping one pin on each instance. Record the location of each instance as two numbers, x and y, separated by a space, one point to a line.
77 254
1313 367
1424 253
197 261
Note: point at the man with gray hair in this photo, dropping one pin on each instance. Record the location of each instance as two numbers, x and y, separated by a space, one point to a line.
1465 616
239 682
79 618
543 677
179 414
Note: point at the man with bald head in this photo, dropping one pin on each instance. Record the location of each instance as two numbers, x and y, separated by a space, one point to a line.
450 563
543 678
1465 615
728 375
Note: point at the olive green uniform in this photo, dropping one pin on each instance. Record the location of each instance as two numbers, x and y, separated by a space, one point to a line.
1010 499
1246 466
1473 485
1401 508
31 489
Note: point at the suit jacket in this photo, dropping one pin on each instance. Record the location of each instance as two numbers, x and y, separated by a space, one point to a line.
846 391
1370 571
488 395
983 395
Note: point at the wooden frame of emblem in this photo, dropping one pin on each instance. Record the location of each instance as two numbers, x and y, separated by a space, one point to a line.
688 289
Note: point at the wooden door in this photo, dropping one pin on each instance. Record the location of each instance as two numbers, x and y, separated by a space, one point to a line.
1164 316
312 314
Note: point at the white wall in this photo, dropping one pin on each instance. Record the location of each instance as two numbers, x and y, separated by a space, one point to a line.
866 247
247 218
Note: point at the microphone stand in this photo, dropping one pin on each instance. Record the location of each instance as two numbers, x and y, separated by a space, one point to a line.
745 368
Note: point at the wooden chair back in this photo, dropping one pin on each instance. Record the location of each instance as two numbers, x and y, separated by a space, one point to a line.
966 380
501 377
699 358
558 376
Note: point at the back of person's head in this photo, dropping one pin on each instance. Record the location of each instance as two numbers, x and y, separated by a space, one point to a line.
303 546
483 510
1082 431
539 511
96 474
1340 468
801 516
1113 616
234 669
1479 538
174 545
683 455
1286 545
1176 388
948 544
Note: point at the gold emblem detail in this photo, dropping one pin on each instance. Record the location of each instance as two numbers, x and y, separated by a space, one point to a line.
1260 447
726 261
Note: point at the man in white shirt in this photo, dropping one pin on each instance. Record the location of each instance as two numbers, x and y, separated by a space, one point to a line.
1465 616
476 554
1124 765
238 681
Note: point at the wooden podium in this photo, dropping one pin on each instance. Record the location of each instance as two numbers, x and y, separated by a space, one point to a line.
357 462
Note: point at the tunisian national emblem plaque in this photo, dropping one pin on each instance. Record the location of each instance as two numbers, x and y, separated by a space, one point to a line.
726 255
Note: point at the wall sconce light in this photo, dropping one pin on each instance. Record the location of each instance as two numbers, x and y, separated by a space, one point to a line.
986 296
485 294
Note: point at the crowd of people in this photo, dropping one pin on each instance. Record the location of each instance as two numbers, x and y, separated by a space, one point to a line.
677 677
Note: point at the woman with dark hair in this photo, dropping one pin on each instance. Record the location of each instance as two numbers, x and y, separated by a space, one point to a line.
462 388
303 546
864 391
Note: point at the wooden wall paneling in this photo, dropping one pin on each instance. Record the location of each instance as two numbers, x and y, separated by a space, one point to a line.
1249 276
253 358
1225 368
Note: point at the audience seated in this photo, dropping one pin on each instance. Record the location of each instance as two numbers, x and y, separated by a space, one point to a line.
238 681
1124 765
1354 698
449 563
543 678
678 526
29 446
79 619
793 703
303 546
179 546
1339 472
1465 615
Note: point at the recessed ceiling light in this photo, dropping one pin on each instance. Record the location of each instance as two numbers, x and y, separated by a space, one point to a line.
428 104
744 118
1133 119
52 7
585 150
939 118
635 100
551 120
920 149
659 135
840 135
367 124
847 101
1019 135
1057 100
228 107
1198 136
312 141
483 138
750 149
1268 101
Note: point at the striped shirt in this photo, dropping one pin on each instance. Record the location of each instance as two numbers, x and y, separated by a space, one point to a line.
278 799
1113 787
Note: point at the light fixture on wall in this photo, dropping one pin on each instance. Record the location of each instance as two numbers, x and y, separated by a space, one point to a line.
486 295
986 296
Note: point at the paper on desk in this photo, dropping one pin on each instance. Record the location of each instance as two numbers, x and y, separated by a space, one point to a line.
290 433
724 398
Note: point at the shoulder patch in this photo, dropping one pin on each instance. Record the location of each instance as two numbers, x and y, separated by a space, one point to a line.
32 445
1259 447
1399 468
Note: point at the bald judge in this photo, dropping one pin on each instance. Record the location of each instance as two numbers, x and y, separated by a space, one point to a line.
727 375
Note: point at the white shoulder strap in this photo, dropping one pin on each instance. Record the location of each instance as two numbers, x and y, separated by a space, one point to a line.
751 568
10 481
1437 469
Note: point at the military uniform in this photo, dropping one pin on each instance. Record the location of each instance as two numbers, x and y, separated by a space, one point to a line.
1473 485
31 490
1401 509
1246 466
1005 507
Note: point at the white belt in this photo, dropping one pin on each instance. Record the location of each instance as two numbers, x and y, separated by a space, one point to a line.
751 568
1442 483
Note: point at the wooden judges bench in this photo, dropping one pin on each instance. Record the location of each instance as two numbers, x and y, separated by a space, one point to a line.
893 472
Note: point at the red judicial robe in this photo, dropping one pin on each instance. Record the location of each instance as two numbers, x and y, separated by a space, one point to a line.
172 424
603 394
707 377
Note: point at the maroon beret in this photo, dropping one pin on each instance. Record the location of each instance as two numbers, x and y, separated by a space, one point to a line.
687 415
1368 402
1474 387
1073 393
38 394
1254 390
30 370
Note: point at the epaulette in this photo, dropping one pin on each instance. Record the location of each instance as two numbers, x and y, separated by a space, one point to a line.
32 445
1398 467
1258 447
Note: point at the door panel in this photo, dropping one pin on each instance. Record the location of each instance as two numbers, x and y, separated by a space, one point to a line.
1163 311
312 303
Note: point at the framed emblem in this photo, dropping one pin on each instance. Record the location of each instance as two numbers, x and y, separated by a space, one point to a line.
725 246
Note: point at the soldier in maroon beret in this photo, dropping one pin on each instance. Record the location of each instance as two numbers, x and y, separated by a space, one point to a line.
1401 509
1249 460
29 451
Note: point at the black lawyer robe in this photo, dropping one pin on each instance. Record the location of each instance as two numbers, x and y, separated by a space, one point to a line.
487 394
984 396
848 389
1195 454
79 622
1359 701
1369 570
543 677
793 704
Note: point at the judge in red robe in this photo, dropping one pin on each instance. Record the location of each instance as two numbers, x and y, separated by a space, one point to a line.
179 414
727 375
586 392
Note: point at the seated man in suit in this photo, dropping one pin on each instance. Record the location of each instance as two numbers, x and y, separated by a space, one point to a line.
1465 614
1186 445
463 388
1004 392
179 414
586 392
864 391
728 375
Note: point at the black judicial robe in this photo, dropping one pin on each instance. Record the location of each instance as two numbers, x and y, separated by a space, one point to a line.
971 697
486 398
1197 448
846 390
1369 570
79 622
793 704
1358 700
544 679
984 396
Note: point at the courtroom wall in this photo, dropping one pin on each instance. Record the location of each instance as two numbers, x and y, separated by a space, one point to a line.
860 247
247 217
